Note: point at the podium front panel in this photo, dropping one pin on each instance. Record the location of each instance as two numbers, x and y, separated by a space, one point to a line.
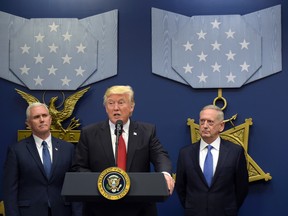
82 186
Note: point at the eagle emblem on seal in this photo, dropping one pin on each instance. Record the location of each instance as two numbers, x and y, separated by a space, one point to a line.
114 183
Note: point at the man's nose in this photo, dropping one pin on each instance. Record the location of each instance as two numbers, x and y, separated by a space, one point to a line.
116 106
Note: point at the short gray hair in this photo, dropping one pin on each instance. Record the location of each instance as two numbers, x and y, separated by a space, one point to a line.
36 104
220 116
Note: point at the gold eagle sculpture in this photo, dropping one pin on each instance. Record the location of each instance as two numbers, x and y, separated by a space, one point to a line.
58 116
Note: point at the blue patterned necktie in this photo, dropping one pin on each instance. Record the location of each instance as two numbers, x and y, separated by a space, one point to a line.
208 166
46 158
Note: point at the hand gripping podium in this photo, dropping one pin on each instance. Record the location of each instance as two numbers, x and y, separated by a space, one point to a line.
82 186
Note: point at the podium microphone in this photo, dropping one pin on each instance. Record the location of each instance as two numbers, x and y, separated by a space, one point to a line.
118 132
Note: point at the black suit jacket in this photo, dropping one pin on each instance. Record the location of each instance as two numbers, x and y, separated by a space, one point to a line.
26 186
229 185
94 153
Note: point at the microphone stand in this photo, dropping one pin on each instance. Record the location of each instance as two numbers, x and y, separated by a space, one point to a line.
118 132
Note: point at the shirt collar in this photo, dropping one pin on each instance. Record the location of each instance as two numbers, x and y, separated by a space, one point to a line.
125 126
215 144
38 141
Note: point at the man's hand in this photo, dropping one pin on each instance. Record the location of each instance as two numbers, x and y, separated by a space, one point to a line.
170 182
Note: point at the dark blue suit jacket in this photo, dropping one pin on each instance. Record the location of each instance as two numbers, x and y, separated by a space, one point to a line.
229 185
94 153
26 186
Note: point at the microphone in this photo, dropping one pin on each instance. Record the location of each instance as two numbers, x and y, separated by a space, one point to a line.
118 128
118 132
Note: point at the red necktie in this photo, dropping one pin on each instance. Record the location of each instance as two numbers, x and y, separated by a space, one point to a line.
121 154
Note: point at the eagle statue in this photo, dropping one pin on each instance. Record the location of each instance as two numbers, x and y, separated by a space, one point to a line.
58 116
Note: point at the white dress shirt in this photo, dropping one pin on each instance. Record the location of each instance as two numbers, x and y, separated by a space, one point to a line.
39 146
214 151
125 134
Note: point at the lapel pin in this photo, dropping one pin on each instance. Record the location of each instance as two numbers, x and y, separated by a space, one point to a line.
56 149
134 133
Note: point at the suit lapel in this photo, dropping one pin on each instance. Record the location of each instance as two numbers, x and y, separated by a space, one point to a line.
31 146
55 149
132 143
195 157
107 143
223 152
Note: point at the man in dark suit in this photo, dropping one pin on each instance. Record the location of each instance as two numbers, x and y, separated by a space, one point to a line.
28 189
96 149
226 186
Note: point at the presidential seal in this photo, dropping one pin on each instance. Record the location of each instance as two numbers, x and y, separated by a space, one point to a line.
113 183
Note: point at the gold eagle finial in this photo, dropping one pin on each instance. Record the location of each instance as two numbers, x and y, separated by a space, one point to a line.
58 116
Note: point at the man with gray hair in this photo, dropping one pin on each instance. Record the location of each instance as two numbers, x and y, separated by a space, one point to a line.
212 175
35 168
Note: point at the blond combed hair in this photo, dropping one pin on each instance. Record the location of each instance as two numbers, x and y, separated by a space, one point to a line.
120 89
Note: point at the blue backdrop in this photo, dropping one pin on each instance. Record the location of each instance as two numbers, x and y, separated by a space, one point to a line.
167 103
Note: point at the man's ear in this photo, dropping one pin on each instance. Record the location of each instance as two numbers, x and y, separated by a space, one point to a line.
28 125
222 126
132 108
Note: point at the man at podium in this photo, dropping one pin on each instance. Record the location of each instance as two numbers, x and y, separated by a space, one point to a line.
96 151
